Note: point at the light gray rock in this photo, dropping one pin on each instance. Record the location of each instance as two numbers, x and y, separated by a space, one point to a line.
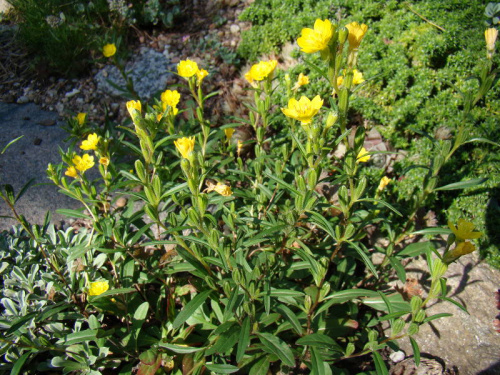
468 342
28 158
149 71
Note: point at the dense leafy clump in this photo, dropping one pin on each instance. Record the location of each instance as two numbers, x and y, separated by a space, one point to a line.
418 59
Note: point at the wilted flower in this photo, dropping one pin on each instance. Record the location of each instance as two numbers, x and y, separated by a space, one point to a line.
185 146
80 118
317 39
490 35
363 156
356 34
90 143
83 163
261 70
187 68
71 172
229 133
462 248
104 161
222 189
109 50
98 287
464 230
357 78
200 74
304 109
383 183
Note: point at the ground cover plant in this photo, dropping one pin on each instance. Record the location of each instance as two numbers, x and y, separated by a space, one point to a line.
418 59
66 37
230 255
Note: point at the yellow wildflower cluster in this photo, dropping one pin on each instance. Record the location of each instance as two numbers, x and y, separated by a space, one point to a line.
187 69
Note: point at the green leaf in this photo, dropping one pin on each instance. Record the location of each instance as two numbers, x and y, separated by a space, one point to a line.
25 188
72 213
20 322
174 190
320 340
344 296
113 292
227 340
291 317
11 143
179 348
82 336
284 293
484 140
244 339
400 270
321 222
190 308
380 367
436 316
416 351
261 367
317 362
384 203
463 184
20 362
433 231
141 312
459 305
277 347
415 249
282 183
365 258
222 369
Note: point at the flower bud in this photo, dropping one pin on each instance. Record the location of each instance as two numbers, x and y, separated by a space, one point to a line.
490 35
331 119
343 33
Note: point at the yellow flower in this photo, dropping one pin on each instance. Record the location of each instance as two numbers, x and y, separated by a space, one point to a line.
383 183
490 35
80 118
98 287
239 147
261 70
175 110
357 78
356 34
317 39
83 163
187 68
301 81
220 188
229 133
185 146
90 143
200 74
71 172
363 156
462 248
464 230
109 50
170 97
104 161
133 106
304 109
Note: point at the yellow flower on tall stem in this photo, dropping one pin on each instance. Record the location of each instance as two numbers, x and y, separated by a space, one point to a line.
303 109
71 172
356 34
109 50
363 156
80 118
261 71
171 97
357 78
187 68
84 162
97 288
464 230
462 248
104 161
317 39
90 143
132 107
185 146
490 35
200 74
229 133
302 80
383 183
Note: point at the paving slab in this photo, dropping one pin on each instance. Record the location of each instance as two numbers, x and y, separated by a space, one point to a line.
28 158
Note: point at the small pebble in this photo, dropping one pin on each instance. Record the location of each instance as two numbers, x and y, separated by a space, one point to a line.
235 29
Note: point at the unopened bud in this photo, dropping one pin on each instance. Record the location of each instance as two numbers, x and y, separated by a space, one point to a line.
331 119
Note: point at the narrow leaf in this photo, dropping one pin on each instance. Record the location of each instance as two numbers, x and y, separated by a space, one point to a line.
20 362
222 369
366 260
380 367
278 348
317 362
416 351
291 317
190 308
462 184
244 339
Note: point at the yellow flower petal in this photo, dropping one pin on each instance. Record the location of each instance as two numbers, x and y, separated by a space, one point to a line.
90 143
304 109
464 230
185 146
71 172
261 71
362 156
98 287
187 68
83 163
356 34
80 118
317 39
109 50
383 183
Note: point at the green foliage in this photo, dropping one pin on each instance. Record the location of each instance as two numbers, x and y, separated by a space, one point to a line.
67 36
